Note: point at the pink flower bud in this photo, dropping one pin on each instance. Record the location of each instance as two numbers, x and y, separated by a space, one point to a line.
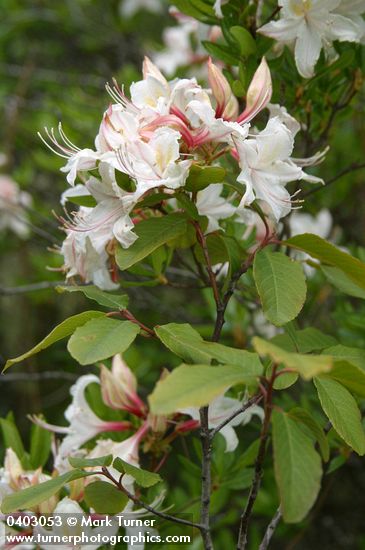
119 387
227 104
258 94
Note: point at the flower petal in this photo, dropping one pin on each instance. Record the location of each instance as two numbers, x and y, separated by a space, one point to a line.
307 50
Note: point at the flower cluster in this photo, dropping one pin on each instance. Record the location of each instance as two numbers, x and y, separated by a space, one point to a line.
118 387
150 142
153 434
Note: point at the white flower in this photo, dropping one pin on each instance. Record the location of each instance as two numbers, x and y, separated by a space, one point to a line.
118 126
84 424
219 410
4 544
127 450
178 50
282 114
210 203
266 169
353 9
267 166
218 7
129 7
14 478
82 258
72 508
302 222
83 160
312 25
156 163
12 207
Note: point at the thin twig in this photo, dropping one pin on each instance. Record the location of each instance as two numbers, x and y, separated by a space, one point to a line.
213 281
270 530
126 314
36 376
352 168
23 289
258 473
253 401
206 478
118 483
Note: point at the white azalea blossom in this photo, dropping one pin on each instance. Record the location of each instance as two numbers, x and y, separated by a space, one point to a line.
156 163
13 478
220 409
13 203
178 50
267 167
320 224
218 7
210 203
84 424
72 508
127 450
154 138
310 25
128 8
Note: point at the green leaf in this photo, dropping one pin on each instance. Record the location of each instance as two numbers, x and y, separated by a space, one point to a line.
90 462
304 417
221 52
331 255
105 498
341 281
245 40
112 301
187 343
342 411
143 478
83 200
153 199
202 176
101 338
195 386
356 356
32 496
303 341
281 286
297 467
40 446
350 376
152 233
188 205
12 437
61 331
217 249
198 10
306 340
306 365
238 481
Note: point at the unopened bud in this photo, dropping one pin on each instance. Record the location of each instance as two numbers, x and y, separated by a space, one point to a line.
118 387
227 105
259 92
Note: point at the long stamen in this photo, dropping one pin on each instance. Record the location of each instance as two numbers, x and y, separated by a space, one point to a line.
66 140
51 148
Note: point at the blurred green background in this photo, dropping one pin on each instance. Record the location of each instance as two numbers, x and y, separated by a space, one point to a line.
55 58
